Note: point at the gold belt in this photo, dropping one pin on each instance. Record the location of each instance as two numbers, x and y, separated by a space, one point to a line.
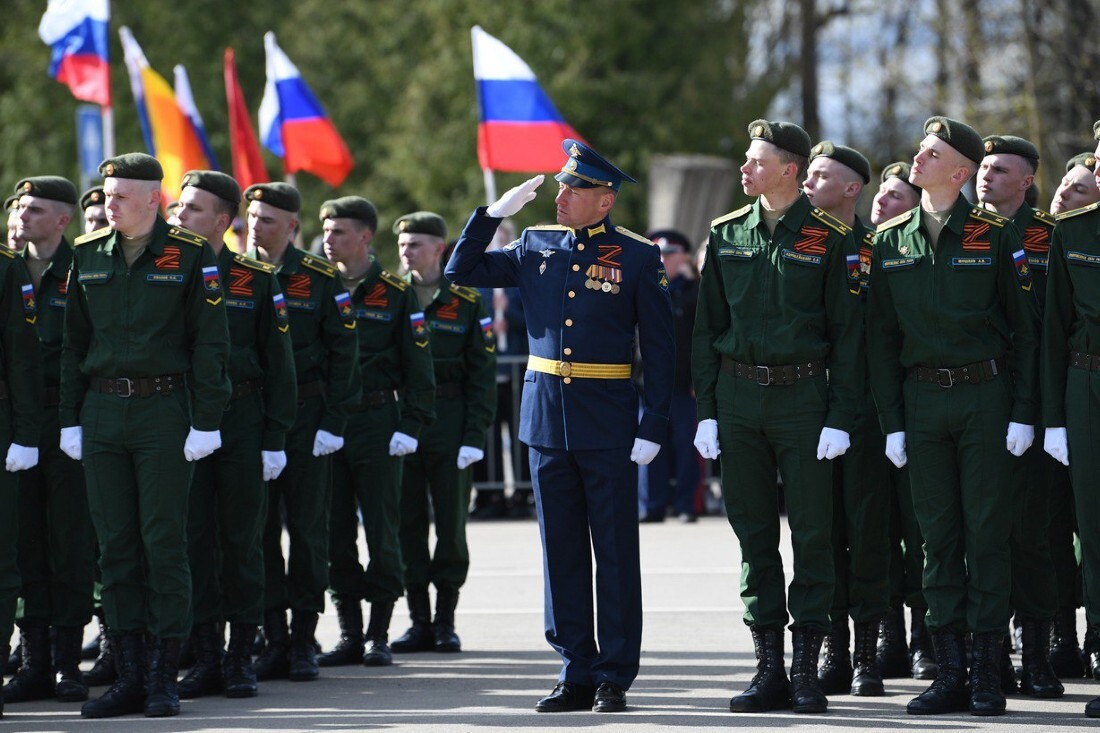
578 369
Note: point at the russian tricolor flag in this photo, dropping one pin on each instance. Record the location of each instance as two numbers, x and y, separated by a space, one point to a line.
520 130
76 30
186 102
293 125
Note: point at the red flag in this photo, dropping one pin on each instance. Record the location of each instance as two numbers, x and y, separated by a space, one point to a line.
248 164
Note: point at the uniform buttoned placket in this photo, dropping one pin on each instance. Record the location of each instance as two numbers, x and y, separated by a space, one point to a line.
570 293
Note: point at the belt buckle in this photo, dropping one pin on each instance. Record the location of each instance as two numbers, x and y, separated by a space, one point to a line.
950 378
766 379
129 387
564 369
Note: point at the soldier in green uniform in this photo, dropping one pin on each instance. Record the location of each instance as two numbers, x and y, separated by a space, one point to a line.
861 477
11 211
322 330
952 337
21 407
1004 177
1069 365
437 479
91 203
143 369
395 365
778 305
228 492
55 529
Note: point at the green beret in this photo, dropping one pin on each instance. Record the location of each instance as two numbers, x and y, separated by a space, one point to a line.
958 135
421 222
786 135
351 207
1086 159
11 203
172 208
1011 145
221 185
54 188
278 194
93 197
1096 130
138 166
841 154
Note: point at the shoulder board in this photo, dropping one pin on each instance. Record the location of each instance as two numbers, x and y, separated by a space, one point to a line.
393 280
315 263
987 216
899 219
254 264
1077 212
7 253
1044 217
869 237
732 215
547 228
186 235
627 233
830 220
465 293
92 236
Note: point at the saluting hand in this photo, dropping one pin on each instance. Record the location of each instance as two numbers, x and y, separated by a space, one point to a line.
516 198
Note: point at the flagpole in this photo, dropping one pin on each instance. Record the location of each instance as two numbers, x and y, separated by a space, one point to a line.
108 117
490 185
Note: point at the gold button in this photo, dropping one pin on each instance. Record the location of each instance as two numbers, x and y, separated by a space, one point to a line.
567 351
567 380
580 247
576 267
568 321
572 294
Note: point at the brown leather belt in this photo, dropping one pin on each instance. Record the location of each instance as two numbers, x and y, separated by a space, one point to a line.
767 376
976 373
449 389
377 398
53 395
1088 362
139 386
310 389
245 388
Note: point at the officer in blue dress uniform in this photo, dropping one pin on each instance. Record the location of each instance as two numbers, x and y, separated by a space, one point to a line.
585 285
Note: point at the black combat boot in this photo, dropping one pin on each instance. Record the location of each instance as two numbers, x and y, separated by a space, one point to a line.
1065 653
1038 678
205 676
867 679
378 652
349 650
446 640
948 692
835 673
237 673
770 689
103 671
303 647
986 697
1009 684
34 680
273 662
127 695
922 654
806 694
891 654
69 684
420 637
162 699
1092 653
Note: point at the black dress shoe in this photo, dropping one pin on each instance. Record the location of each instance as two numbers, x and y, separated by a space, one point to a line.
610 698
566 696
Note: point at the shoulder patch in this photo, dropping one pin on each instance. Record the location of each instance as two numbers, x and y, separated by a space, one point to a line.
1077 212
633 235
315 263
92 236
547 228
1044 216
186 235
465 293
254 264
393 280
830 220
732 215
891 223
988 217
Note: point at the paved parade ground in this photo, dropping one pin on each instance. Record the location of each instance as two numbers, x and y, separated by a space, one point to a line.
695 654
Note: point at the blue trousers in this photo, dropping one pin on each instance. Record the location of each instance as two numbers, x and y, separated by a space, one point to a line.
587 503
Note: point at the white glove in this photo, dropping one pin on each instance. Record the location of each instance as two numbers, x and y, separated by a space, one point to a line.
402 445
201 443
468 456
706 439
71 442
832 443
1019 438
644 451
895 449
20 458
1056 444
516 198
274 462
325 443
